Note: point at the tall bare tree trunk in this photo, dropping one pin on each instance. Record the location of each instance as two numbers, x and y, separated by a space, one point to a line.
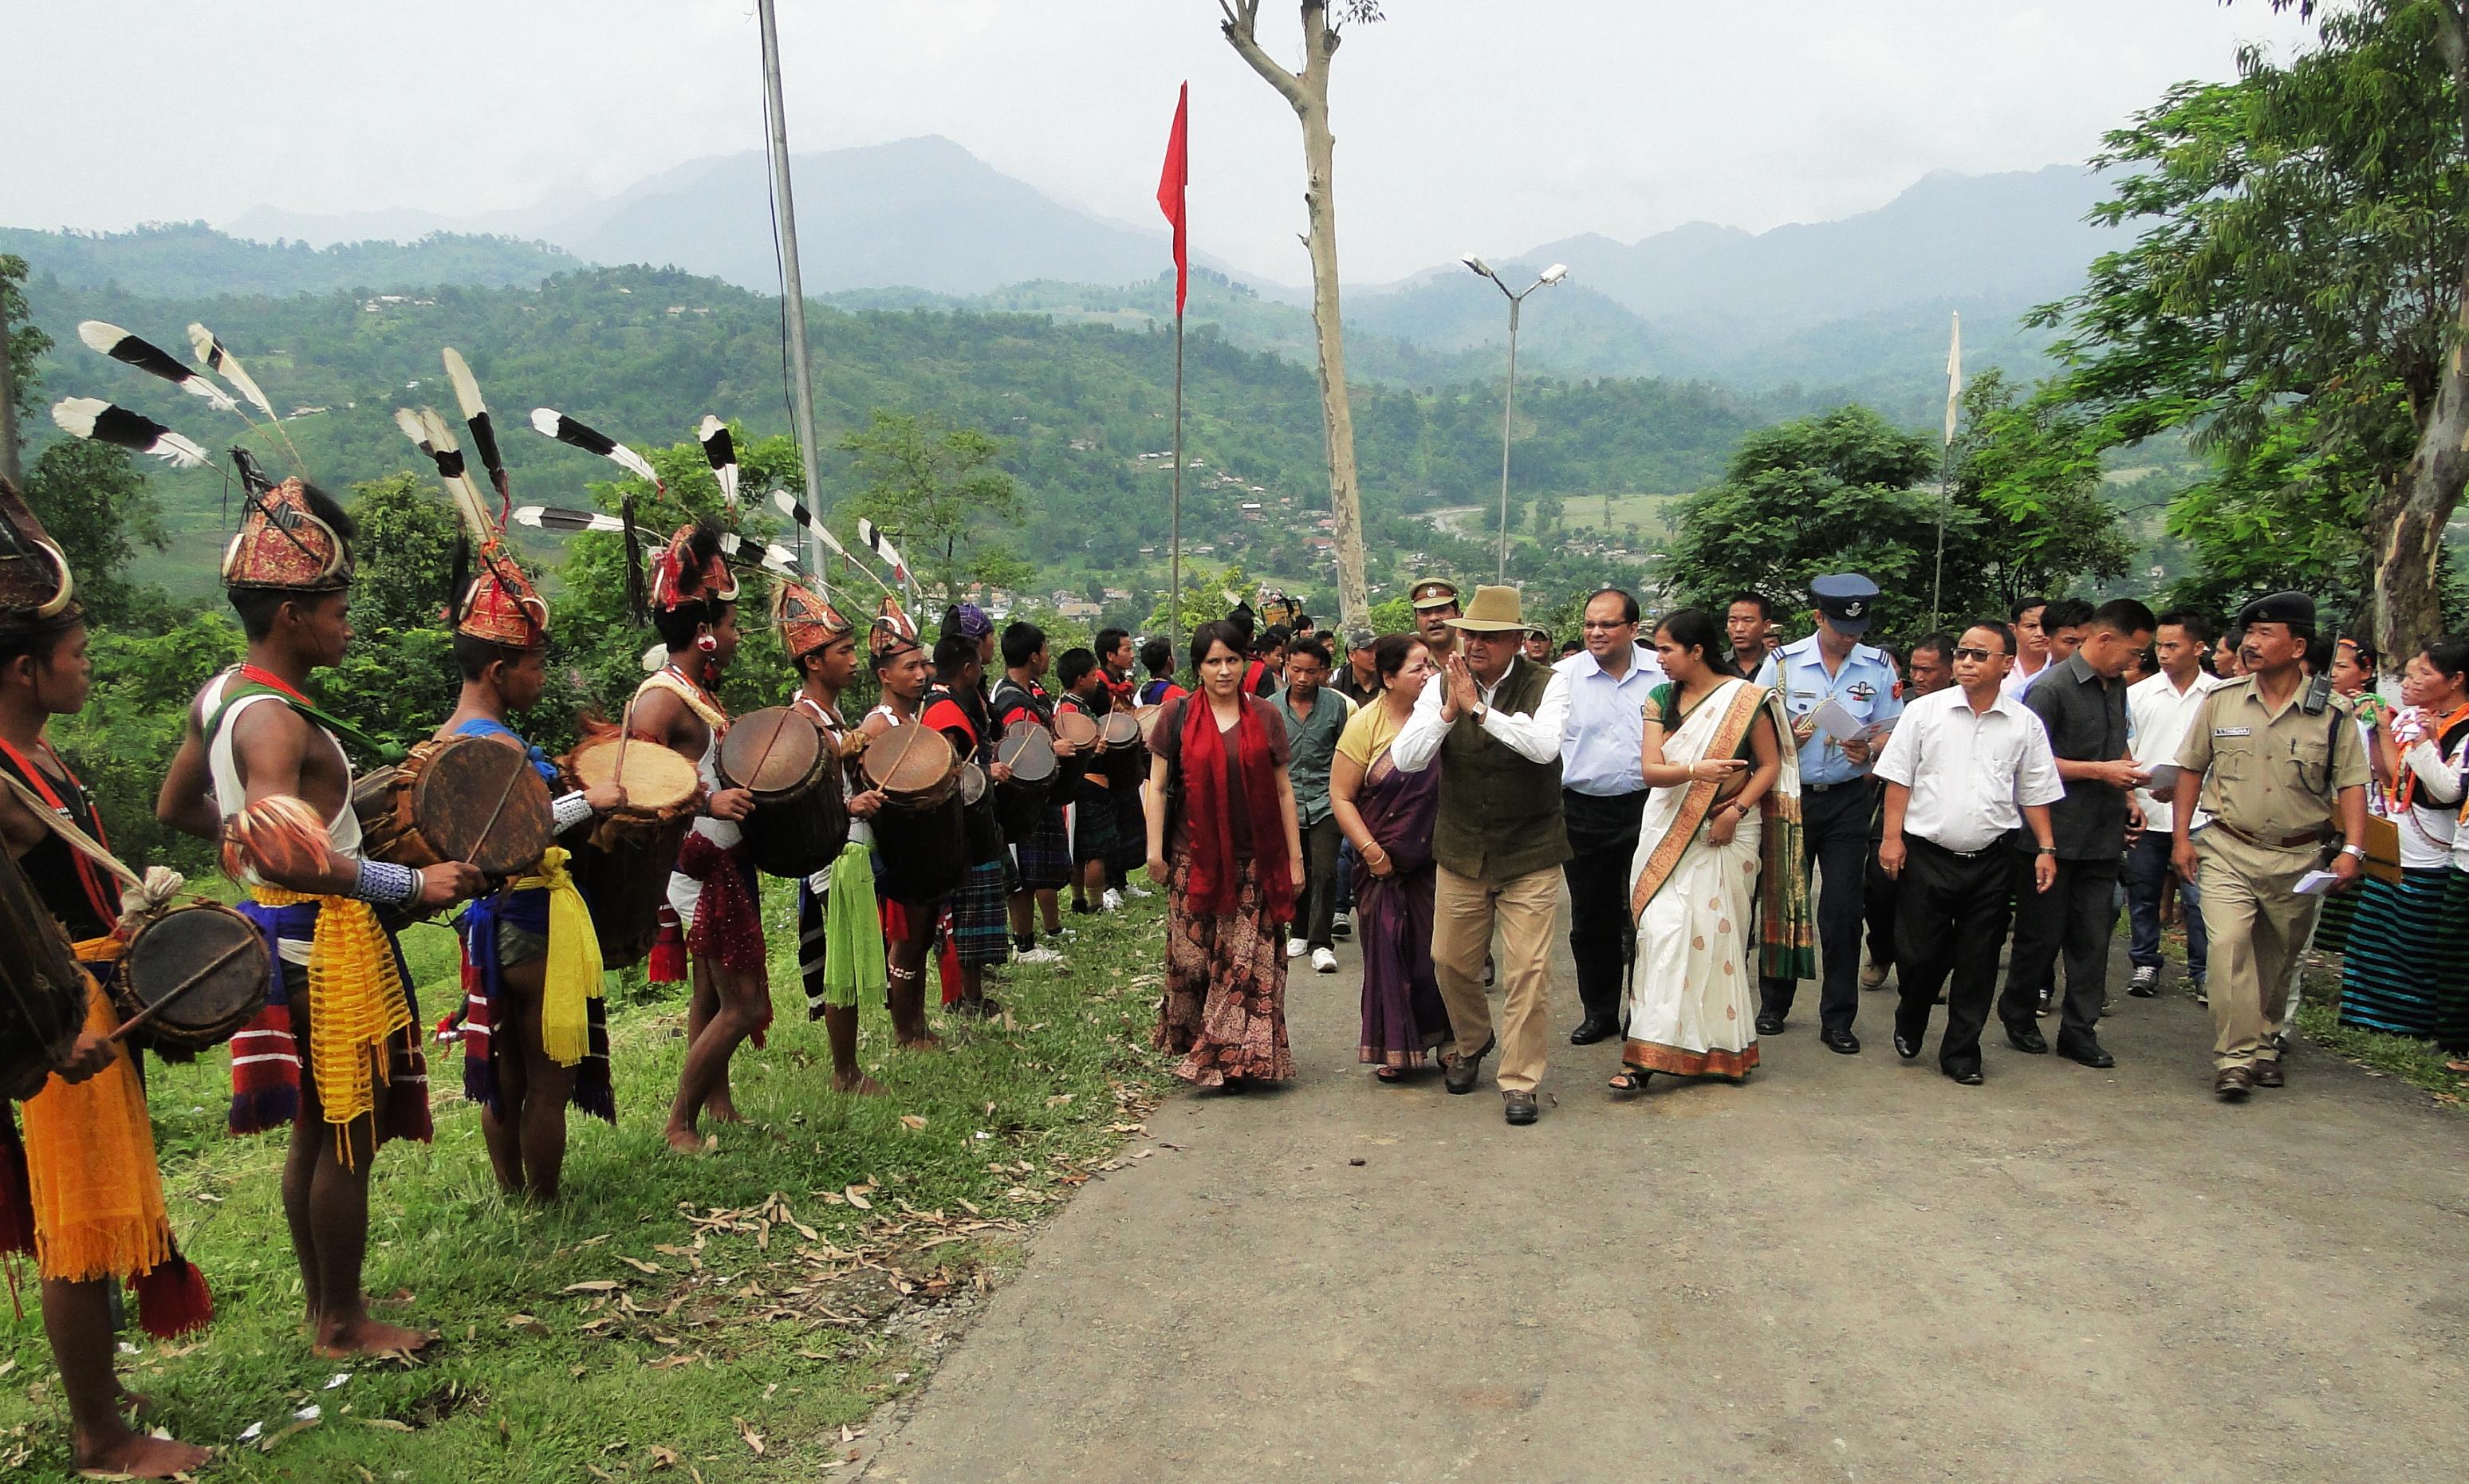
1307 92
2407 520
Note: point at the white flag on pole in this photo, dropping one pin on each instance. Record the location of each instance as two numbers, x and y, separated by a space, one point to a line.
1953 378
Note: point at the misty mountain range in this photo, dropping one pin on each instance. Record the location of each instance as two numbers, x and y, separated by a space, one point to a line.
1857 307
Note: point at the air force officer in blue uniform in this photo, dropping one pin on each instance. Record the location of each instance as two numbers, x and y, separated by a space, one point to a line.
1838 795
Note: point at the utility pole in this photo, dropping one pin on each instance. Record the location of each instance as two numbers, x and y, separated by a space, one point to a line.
793 288
1508 408
7 403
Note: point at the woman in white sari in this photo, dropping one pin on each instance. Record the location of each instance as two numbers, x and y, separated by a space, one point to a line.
1726 793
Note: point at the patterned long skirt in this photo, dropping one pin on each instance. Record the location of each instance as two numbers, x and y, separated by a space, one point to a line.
1225 1006
1044 858
2452 964
2388 975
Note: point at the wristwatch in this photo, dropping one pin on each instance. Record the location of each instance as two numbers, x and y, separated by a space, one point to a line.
2048 849
2358 850
1482 713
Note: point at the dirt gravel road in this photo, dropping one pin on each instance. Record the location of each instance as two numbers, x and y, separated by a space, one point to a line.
1848 1268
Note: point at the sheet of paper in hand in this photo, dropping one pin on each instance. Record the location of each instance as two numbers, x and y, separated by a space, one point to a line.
2315 883
1832 719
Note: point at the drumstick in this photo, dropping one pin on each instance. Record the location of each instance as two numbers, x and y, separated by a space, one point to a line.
138 1021
625 731
503 794
68 831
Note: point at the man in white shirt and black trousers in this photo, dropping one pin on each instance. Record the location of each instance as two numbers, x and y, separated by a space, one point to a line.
1964 768
1602 796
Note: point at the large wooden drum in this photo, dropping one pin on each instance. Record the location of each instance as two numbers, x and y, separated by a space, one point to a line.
457 799
1079 729
1122 757
800 820
42 990
919 835
622 861
201 972
1029 753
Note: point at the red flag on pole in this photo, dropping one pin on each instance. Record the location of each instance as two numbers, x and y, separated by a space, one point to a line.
1171 183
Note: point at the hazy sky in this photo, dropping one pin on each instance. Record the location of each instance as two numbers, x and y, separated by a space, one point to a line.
1486 125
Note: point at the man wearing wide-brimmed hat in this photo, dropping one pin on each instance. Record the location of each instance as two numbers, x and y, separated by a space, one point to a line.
1493 720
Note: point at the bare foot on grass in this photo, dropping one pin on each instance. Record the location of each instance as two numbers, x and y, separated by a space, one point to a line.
686 1141
138 1456
721 1109
856 1083
920 1040
366 1336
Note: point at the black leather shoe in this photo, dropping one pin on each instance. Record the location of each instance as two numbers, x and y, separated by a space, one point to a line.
1464 1071
1964 1077
2087 1052
2267 1074
1770 1024
2029 1042
1520 1109
1907 1046
1590 1031
1841 1041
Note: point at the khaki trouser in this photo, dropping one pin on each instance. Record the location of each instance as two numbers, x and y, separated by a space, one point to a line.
2258 928
1465 909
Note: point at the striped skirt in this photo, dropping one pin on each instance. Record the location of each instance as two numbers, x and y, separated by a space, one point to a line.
2395 938
2452 965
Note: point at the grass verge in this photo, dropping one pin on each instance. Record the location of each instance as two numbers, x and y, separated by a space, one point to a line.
720 1317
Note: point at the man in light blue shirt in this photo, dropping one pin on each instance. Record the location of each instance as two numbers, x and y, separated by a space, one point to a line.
1837 797
1602 796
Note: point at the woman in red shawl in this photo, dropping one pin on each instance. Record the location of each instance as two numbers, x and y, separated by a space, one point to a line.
1224 838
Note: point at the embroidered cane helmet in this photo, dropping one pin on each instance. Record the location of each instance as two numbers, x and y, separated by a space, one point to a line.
292 539
692 568
893 630
807 619
37 592
501 605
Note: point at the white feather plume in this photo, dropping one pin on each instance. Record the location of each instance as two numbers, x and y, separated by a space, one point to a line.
216 358
92 417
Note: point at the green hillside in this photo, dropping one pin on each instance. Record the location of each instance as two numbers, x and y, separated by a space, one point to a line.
189 259
643 354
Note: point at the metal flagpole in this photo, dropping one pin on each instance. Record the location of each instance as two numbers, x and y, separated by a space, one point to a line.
793 291
1945 466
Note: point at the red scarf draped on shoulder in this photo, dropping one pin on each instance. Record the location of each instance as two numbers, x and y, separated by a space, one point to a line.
1212 889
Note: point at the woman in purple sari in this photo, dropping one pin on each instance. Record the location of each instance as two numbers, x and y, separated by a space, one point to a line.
1387 816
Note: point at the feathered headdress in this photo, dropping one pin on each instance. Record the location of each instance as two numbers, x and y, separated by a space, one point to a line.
292 538
37 592
807 619
693 568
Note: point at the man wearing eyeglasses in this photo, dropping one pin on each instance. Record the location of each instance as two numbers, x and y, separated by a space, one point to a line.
1963 769
1602 796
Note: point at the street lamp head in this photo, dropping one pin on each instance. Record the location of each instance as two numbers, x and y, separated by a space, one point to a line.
1555 273
1477 264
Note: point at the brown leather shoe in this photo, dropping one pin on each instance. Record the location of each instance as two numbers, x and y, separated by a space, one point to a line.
2234 1083
2267 1074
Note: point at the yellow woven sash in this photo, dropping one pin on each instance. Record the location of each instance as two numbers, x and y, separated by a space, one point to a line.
356 1001
571 972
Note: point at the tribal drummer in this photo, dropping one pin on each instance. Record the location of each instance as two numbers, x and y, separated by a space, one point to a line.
912 903
714 890
534 1029
81 1192
335 1050
839 929
973 923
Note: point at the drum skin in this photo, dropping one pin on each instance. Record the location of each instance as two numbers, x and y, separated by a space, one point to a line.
206 941
444 804
914 766
801 820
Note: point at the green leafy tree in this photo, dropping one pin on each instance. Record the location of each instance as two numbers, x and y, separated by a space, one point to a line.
2296 297
95 503
1826 494
27 343
938 489
122 743
2026 512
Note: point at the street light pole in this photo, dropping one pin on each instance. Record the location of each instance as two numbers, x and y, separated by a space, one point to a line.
1508 404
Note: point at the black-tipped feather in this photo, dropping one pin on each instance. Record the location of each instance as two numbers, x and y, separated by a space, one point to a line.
132 350
476 416
719 451
104 422
592 440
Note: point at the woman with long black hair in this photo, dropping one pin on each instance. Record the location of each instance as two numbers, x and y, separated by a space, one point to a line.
1223 836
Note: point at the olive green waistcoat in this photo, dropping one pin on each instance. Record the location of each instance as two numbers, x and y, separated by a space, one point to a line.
1499 814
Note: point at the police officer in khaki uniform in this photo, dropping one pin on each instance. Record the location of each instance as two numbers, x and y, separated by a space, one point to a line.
1435 600
2275 761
